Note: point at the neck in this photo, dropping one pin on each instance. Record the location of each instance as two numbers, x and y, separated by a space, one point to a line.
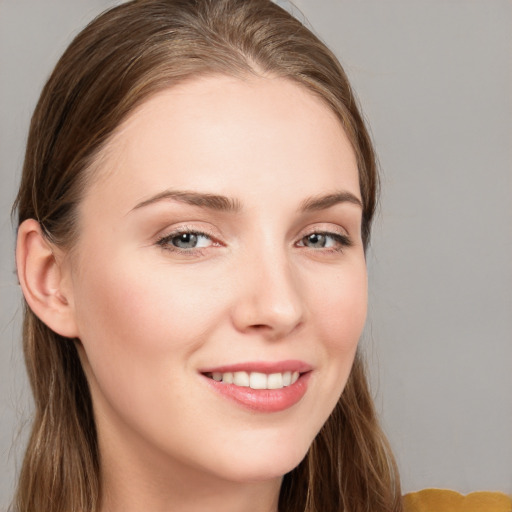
192 498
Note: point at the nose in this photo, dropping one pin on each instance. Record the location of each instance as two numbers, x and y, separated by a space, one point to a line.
269 301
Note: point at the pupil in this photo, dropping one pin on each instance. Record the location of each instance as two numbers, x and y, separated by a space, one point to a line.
317 240
185 240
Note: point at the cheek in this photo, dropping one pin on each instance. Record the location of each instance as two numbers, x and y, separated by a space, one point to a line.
339 307
339 312
337 303
139 325
139 329
129 307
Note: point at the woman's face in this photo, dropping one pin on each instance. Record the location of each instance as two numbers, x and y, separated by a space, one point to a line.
220 239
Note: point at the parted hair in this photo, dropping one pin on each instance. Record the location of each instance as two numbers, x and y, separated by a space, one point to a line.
118 61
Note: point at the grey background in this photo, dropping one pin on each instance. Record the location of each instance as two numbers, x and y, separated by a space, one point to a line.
435 80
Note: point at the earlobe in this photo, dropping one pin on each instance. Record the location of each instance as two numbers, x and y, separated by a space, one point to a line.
41 278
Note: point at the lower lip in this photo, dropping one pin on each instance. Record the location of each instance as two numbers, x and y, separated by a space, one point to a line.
263 400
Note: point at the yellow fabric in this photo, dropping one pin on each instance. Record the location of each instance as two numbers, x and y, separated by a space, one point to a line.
443 500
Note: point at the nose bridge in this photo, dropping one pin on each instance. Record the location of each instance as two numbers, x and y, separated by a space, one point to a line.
270 298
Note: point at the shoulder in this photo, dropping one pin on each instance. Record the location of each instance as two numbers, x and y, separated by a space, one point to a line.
444 500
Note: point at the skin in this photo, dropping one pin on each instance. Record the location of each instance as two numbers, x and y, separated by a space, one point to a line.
150 317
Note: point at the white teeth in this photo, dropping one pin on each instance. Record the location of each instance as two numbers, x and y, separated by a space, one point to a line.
241 379
275 381
257 380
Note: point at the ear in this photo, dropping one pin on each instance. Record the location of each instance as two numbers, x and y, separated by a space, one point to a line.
44 285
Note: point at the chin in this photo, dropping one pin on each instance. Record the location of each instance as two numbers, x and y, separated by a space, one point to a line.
259 464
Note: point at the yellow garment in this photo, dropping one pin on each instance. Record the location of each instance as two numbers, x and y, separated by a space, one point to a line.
443 500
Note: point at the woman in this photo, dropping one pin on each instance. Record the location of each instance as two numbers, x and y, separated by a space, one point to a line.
194 210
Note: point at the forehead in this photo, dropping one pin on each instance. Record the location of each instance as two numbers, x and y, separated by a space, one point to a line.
227 135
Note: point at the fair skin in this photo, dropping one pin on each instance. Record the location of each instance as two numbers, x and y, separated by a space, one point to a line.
165 284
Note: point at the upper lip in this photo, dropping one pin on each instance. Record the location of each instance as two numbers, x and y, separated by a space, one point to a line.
290 365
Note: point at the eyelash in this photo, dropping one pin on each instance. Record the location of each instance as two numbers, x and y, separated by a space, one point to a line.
342 241
165 241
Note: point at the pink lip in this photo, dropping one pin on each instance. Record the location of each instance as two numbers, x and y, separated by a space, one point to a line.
262 400
290 365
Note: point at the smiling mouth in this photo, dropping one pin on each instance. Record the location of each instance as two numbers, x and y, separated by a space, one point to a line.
256 380
264 387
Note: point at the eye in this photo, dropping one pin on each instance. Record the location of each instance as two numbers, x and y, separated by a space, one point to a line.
324 240
186 240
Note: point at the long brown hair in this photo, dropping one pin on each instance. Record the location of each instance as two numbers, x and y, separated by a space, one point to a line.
119 60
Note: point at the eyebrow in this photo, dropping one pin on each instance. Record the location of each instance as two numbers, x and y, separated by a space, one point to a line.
322 202
226 204
210 201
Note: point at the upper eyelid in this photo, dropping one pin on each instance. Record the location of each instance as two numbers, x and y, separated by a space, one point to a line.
330 229
324 232
339 236
170 232
210 233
